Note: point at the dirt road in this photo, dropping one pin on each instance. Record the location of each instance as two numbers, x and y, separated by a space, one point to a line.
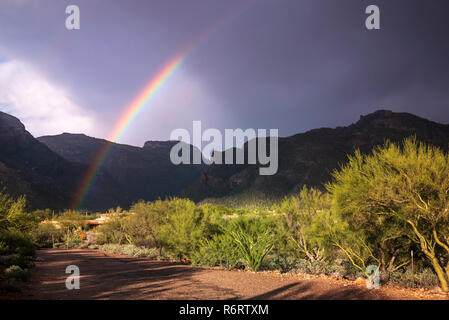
107 276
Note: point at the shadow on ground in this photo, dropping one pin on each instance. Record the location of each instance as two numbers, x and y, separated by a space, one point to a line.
105 276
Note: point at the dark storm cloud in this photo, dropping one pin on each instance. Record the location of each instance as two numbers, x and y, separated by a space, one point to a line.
292 65
316 64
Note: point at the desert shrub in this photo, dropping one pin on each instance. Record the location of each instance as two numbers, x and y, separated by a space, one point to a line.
46 235
16 259
298 215
17 273
15 224
72 220
16 217
177 225
43 214
318 267
111 232
15 241
145 225
139 252
72 238
425 278
129 250
300 265
281 263
253 237
220 250
185 227
248 199
110 247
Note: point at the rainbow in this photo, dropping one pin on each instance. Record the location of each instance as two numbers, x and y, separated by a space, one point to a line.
139 103
126 119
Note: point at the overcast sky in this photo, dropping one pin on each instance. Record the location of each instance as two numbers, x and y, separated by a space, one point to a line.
293 65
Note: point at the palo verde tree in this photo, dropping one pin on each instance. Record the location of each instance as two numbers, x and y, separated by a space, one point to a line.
299 212
399 190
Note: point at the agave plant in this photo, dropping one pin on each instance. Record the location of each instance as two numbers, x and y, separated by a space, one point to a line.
253 248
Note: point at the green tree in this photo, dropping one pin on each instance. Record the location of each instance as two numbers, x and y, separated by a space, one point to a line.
398 191
186 226
299 212
145 224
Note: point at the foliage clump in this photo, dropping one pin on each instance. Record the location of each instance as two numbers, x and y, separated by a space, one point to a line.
394 200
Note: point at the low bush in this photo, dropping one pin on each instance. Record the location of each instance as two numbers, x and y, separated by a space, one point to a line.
129 250
218 251
253 239
16 259
14 241
299 265
281 263
72 239
186 225
425 278
17 273
318 267
46 235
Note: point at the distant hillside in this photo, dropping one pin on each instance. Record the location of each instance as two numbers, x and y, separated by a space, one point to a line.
309 158
31 168
140 173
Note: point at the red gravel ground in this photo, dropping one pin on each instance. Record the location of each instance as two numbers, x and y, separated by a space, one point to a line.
107 276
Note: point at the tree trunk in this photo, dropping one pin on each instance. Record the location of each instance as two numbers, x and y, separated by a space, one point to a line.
440 274
382 259
393 258
445 247
447 270
429 251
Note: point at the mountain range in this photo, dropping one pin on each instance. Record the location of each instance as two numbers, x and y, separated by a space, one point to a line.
48 169
310 158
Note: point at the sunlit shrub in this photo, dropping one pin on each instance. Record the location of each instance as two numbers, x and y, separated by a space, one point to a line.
129 250
221 250
425 278
46 235
253 238
15 241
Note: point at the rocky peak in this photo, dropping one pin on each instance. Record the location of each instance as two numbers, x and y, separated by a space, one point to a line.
387 119
9 122
13 135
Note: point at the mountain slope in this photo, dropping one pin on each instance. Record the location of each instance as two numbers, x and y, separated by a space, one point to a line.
309 158
141 173
31 168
